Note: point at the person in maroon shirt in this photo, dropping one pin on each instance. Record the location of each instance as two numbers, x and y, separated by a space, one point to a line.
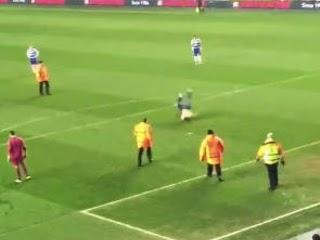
17 153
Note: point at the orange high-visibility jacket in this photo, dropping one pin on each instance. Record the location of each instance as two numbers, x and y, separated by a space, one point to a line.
42 74
211 150
143 133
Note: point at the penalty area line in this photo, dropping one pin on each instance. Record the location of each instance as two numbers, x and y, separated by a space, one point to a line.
142 194
267 221
125 225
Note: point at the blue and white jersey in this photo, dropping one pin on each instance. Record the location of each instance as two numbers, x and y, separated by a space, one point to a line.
196 46
32 53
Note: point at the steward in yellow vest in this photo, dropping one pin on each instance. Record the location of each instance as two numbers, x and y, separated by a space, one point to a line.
144 138
271 153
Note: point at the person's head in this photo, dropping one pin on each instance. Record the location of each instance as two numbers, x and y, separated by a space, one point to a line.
189 92
269 138
144 120
194 36
12 133
210 132
40 61
316 237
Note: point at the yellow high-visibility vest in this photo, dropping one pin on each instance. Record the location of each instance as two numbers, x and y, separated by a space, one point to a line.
270 153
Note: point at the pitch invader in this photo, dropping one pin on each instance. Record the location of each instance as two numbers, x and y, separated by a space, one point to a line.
33 56
184 105
196 49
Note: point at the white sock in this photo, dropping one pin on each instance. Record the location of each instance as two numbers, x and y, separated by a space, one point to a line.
195 59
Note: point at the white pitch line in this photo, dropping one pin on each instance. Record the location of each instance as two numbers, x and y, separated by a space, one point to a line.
267 221
94 124
241 90
63 114
304 146
222 94
127 226
33 120
188 180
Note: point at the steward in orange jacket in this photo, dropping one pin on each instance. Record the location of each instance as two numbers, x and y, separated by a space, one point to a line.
211 152
42 75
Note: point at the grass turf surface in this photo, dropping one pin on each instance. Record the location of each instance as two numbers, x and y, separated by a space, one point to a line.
111 67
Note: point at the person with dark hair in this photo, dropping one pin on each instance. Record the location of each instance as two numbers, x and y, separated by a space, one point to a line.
316 237
144 138
17 153
211 152
43 79
271 153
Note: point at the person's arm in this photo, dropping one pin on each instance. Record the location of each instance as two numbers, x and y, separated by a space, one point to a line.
8 151
221 145
37 52
259 154
202 150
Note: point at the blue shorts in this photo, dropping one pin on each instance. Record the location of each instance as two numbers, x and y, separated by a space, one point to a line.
33 61
196 52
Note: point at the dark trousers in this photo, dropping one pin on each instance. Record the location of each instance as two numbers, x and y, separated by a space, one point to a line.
273 175
140 153
44 87
210 170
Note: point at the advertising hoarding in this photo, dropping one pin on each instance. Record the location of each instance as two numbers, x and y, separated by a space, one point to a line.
105 2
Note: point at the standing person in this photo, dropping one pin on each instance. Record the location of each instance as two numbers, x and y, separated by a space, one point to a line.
144 137
211 152
43 79
200 6
196 47
17 153
33 55
271 153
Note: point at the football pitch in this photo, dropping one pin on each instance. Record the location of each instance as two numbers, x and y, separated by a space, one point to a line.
109 68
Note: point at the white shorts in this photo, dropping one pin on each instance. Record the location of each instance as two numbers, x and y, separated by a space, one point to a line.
186 114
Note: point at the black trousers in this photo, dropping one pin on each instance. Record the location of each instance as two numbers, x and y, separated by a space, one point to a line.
140 153
273 175
44 87
210 169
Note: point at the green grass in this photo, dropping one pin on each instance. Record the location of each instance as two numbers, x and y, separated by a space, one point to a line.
111 67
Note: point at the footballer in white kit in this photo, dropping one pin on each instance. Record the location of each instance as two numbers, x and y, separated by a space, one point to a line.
33 56
196 49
